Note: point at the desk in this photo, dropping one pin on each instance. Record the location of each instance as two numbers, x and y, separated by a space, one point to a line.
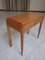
22 23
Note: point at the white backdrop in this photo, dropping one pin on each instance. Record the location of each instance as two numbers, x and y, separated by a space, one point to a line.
37 5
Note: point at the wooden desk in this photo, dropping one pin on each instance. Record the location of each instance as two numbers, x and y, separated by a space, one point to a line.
22 23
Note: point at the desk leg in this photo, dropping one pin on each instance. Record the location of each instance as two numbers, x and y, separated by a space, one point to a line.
9 36
39 29
28 32
22 42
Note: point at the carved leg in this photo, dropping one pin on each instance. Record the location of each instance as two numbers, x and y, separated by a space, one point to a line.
39 30
22 36
9 36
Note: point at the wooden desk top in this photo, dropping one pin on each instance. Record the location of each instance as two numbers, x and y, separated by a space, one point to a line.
26 17
24 21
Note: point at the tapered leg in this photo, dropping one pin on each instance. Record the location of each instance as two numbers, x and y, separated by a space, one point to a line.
39 30
22 42
9 36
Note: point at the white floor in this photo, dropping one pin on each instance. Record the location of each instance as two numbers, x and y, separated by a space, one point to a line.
34 49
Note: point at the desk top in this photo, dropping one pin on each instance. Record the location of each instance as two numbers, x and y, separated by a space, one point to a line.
24 21
26 17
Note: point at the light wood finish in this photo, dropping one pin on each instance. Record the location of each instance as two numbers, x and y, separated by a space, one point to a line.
22 23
